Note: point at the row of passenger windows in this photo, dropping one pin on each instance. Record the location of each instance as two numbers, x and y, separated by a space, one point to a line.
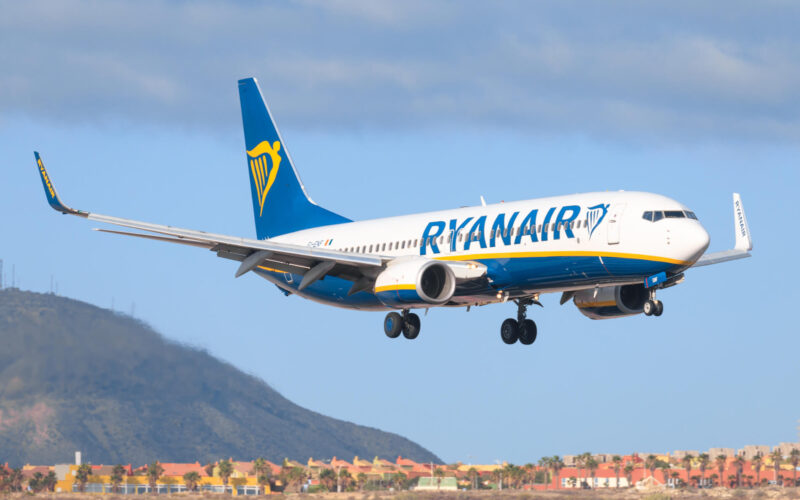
655 216
475 236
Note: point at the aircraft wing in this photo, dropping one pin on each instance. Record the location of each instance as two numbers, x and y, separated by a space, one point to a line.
744 242
312 263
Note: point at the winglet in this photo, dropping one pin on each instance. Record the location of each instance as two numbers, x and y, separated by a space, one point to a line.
50 190
743 240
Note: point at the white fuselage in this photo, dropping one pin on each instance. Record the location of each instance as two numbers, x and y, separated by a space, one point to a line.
534 246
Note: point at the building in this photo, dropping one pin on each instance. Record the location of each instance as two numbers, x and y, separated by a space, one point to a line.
751 450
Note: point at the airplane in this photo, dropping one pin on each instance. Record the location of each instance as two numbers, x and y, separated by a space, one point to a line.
608 252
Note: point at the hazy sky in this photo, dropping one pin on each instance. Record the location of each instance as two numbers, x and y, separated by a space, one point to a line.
393 107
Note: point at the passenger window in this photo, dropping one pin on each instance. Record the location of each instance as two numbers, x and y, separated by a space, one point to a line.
657 216
403 244
370 249
415 243
648 216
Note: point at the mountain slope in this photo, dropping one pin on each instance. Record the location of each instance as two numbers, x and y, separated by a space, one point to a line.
77 377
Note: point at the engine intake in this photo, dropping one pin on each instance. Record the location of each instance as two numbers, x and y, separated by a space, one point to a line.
611 301
416 281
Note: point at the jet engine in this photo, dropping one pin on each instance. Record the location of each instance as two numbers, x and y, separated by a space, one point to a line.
415 282
611 301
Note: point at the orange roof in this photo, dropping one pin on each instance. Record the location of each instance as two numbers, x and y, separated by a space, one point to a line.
175 469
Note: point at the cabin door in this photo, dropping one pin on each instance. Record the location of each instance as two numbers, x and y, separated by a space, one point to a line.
614 221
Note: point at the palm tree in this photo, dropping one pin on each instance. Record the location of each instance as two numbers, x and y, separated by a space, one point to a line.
617 461
665 470
556 463
497 476
756 464
35 482
117 473
473 475
438 473
225 471
794 459
581 463
650 464
738 462
293 476
49 481
361 480
721 461
592 465
687 464
714 478
629 473
777 459
209 469
544 463
702 463
260 466
154 472
327 478
400 481
82 476
191 479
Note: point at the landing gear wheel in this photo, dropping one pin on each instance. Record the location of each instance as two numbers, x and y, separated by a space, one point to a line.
392 325
659 308
509 331
527 332
649 307
411 326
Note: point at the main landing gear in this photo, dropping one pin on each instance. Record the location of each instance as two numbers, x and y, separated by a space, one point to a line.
521 329
408 324
653 307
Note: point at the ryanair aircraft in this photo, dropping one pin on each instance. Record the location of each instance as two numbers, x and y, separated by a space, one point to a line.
607 252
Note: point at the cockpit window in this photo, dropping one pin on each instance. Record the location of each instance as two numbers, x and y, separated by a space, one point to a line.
657 215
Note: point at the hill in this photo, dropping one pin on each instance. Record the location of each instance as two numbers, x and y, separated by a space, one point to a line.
77 377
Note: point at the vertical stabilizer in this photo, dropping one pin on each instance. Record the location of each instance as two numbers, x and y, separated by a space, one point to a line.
280 202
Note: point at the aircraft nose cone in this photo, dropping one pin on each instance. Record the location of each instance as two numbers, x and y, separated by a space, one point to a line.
698 241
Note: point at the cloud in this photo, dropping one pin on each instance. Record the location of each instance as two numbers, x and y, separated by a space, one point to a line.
666 71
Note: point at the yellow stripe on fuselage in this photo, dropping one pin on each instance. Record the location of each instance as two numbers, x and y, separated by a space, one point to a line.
608 303
566 253
390 288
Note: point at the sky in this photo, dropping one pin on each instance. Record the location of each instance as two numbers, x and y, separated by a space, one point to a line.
392 107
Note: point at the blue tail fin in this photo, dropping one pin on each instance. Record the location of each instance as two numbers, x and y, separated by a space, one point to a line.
280 202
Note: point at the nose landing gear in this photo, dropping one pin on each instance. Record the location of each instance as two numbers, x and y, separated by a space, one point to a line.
408 324
521 329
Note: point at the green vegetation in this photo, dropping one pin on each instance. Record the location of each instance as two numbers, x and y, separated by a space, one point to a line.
82 377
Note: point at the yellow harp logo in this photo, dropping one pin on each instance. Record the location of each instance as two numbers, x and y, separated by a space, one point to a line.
264 163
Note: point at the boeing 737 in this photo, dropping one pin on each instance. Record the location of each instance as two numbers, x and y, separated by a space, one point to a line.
608 252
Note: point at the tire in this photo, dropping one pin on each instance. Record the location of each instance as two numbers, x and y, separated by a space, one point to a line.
649 308
659 308
411 327
509 331
527 332
392 325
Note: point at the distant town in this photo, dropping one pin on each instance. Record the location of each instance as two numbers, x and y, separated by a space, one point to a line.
749 467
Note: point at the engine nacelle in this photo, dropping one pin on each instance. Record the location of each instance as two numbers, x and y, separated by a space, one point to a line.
415 282
611 301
